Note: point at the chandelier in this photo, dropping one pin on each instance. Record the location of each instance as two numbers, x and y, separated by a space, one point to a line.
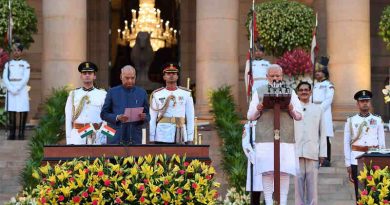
148 21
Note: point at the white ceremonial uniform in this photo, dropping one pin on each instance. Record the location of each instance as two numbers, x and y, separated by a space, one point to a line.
259 72
323 94
251 155
15 78
368 131
265 151
180 105
310 144
90 113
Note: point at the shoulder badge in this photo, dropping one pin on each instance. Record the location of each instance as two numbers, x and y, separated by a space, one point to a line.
184 88
158 89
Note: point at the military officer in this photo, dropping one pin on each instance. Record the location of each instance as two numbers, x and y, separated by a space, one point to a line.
259 68
323 92
83 108
15 76
171 111
361 132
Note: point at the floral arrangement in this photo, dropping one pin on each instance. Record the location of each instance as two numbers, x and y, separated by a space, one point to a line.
236 197
386 92
283 25
296 62
146 180
384 26
377 185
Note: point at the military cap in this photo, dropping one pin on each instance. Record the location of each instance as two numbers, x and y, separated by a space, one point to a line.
363 95
87 67
259 46
19 46
171 68
322 65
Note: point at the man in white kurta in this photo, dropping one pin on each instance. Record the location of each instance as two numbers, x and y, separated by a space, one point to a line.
264 148
259 72
83 108
15 76
362 132
171 111
323 92
310 147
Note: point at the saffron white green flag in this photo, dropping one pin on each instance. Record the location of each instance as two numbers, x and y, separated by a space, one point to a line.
107 130
85 131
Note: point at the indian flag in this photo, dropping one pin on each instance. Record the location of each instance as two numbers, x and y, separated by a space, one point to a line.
85 131
108 131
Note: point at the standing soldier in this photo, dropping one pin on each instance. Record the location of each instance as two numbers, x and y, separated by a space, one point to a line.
259 69
171 111
323 92
361 132
16 75
82 110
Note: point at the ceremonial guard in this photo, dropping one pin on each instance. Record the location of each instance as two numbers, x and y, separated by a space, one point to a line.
323 92
361 132
259 69
15 76
82 110
171 111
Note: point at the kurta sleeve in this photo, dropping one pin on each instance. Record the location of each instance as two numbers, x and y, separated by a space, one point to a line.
297 111
347 146
146 108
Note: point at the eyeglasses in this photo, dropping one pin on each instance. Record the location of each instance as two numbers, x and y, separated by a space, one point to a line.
305 89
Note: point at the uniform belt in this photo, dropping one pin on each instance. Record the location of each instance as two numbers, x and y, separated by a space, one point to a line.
179 121
15 79
81 125
362 148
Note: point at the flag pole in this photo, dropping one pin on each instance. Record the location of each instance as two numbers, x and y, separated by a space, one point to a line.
252 42
9 60
314 56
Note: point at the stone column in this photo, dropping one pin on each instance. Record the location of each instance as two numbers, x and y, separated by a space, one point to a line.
348 31
216 49
64 42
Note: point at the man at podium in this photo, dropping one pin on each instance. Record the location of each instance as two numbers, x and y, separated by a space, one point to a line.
264 138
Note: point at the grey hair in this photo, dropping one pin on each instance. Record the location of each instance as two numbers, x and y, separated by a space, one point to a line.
274 67
128 68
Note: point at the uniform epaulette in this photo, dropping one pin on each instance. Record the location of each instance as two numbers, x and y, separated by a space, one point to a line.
184 88
158 89
376 115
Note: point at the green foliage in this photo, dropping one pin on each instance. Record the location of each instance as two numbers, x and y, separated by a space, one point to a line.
49 131
24 22
229 129
3 117
384 26
283 25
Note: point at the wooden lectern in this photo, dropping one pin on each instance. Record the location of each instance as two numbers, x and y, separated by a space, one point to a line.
374 158
56 153
277 102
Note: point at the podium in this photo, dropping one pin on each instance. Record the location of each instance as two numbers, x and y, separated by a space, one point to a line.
374 158
55 153
277 101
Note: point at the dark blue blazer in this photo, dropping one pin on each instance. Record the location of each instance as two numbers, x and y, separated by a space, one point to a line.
117 99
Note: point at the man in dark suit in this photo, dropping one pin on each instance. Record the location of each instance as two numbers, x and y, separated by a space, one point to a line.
120 98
